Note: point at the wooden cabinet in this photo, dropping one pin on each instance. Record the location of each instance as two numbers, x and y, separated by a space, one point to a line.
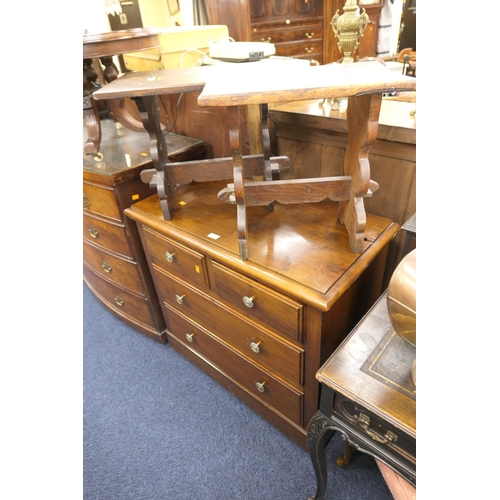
295 27
261 327
114 265
298 28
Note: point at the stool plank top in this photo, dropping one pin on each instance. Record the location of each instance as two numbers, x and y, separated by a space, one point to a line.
156 82
258 84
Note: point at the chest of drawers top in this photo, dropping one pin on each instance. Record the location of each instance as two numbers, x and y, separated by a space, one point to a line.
300 250
124 153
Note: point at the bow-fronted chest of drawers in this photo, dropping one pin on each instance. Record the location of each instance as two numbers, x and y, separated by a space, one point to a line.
114 265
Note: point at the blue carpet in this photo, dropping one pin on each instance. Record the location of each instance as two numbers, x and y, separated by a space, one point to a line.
158 428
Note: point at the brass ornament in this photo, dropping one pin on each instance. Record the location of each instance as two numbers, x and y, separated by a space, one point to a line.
349 28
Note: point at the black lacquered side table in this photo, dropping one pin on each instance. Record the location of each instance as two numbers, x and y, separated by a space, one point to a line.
368 395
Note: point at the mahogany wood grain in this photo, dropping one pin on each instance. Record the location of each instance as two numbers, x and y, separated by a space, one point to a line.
136 311
106 234
123 272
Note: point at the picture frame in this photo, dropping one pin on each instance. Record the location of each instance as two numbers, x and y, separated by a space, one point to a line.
173 7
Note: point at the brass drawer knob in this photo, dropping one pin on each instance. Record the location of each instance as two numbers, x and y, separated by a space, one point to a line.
309 50
309 35
268 39
107 268
255 346
189 337
260 386
169 256
119 300
248 301
93 232
180 298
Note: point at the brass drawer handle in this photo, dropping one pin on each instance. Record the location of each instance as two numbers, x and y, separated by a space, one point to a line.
169 256
86 202
268 39
255 346
179 298
93 232
389 436
248 301
260 386
189 337
107 268
309 35
119 300
309 50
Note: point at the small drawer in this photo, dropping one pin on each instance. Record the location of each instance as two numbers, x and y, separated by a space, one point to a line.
283 398
379 430
124 273
100 200
259 303
108 235
135 308
177 259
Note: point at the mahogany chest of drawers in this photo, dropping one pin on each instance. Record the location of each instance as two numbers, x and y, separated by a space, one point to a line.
260 327
295 28
114 265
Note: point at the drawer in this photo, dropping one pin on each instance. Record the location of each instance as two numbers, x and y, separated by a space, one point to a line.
255 343
379 430
136 309
300 49
177 259
108 235
287 35
283 398
259 303
124 273
100 200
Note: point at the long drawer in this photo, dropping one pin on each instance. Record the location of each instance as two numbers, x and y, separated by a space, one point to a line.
258 302
109 235
123 272
309 48
283 398
287 34
136 309
100 200
250 339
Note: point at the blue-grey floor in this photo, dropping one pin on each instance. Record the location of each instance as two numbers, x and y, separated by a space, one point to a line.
157 428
